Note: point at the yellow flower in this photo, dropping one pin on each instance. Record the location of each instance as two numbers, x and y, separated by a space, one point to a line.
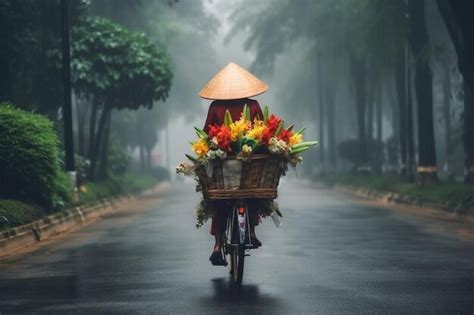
256 132
238 128
296 138
200 147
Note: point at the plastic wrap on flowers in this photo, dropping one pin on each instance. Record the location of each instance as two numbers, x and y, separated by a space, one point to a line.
231 172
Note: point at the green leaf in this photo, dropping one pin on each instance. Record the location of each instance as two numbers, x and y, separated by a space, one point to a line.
200 133
280 127
246 112
193 159
227 119
301 130
304 144
265 114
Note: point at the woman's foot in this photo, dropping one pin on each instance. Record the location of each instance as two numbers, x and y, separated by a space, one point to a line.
216 259
254 241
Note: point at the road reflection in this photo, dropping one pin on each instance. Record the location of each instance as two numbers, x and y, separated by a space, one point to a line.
231 297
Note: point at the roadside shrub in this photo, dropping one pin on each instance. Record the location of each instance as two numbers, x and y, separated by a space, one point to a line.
62 193
119 159
14 213
82 168
29 156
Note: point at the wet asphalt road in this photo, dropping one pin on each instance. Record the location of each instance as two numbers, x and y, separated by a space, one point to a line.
332 255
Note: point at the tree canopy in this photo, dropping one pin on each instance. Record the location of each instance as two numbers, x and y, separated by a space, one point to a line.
118 67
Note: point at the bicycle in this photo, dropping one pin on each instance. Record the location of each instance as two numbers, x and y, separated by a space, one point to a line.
237 240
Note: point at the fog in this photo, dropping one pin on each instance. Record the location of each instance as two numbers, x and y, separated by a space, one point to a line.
344 69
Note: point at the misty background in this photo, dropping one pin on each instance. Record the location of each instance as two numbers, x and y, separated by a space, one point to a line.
344 69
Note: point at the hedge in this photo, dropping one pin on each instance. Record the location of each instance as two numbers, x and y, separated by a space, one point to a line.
29 156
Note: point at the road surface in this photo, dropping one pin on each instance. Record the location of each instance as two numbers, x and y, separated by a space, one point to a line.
332 255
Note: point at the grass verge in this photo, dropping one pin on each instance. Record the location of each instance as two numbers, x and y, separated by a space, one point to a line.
128 184
15 213
454 195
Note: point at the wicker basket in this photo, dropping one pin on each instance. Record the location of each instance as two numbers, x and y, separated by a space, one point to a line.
233 178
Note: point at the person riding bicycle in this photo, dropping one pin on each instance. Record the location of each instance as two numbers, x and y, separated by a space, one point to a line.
230 89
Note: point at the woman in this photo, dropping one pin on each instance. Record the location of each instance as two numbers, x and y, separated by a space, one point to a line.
230 89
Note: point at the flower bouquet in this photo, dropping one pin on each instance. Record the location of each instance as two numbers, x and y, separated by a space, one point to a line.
243 159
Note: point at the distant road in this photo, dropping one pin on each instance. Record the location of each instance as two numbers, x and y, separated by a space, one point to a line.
332 255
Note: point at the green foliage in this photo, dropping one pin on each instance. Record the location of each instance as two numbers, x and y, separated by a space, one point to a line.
62 192
30 30
120 68
455 195
116 185
14 213
118 158
29 156
82 168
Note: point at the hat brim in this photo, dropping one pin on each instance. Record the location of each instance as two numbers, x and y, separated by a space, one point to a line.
233 82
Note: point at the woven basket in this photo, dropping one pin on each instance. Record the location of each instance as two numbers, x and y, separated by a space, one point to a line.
232 178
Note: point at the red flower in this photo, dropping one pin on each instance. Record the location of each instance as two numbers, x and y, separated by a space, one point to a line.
272 125
224 139
273 122
267 135
222 134
285 135
213 131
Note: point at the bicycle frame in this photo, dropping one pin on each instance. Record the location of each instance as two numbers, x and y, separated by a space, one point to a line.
235 245
240 213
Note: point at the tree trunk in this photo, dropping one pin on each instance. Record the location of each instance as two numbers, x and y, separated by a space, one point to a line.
378 123
410 136
400 81
148 159
321 119
104 153
331 120
370 113
358 68
82 109
378 113
98 142
393 101
468 134
418 38
141 147
457 15
66 78
447 118
92 125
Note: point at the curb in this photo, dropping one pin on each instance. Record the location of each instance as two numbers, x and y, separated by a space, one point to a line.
40 230
400 199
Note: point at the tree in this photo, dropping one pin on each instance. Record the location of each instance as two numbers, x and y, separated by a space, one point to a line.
459 22
118 69
418 39
30 31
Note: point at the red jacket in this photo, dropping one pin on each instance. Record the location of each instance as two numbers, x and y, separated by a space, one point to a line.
216 113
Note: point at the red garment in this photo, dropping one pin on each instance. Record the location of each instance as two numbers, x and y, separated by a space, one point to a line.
219 218
217 111
215 116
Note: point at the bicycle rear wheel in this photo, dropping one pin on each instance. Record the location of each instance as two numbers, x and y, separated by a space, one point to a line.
237 249
237 264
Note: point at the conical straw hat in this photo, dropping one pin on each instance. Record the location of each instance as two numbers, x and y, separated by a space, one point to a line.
233 82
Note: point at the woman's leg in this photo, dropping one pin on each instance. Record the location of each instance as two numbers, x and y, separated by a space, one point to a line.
218 225
253 220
